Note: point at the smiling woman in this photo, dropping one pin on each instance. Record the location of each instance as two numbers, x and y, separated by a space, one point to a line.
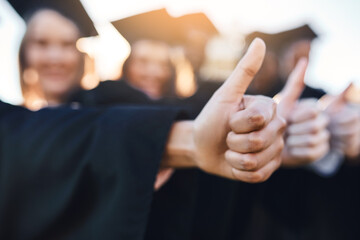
51 66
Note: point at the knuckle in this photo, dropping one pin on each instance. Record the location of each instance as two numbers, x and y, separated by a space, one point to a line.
313 155
256 118
255 141
249 162
309 113
249 71
313 143
314 128
312 112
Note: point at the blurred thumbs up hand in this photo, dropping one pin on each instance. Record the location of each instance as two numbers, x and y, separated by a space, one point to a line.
307 137
344 125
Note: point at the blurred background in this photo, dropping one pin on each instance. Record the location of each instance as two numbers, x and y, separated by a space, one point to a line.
334 60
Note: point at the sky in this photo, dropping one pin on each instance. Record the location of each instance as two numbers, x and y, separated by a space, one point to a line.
335 57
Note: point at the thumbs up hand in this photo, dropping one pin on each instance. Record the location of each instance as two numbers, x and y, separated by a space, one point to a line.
236 136
344 125
306 138
292 90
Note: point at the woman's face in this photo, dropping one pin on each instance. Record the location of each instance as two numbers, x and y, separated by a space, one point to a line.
149 68
50 50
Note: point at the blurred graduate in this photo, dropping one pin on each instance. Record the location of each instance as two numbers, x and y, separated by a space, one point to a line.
51 66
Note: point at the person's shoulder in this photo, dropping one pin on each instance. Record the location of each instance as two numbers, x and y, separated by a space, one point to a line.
6 108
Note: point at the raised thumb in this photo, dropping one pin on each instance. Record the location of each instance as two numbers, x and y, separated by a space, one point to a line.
246 69
292 90
339 101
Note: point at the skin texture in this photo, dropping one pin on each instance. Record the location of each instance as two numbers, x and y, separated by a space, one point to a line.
149 67
307 136
230 120
344 126
50 52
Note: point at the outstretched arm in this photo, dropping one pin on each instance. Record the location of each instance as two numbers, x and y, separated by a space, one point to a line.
235 136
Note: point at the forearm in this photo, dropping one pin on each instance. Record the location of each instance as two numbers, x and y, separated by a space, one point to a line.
179 150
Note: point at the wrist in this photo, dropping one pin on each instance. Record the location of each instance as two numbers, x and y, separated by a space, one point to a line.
180 147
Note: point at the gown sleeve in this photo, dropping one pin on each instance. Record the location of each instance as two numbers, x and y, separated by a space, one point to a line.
79 174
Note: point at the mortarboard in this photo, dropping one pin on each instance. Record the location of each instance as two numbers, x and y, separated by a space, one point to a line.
72 9
197 21
154 25
278 41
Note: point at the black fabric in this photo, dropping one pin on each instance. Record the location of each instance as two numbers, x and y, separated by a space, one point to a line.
292 204
298 204
79 174
179 207
271 90
173 208
109 93
193 204
196 103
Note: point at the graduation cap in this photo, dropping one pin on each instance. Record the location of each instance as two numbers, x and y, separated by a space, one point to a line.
278 41
155 25
198 21
71 9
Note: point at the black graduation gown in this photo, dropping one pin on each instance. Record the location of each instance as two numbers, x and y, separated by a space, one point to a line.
196 102
79 174
173 205
292 204
109 93
193 204
119 92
